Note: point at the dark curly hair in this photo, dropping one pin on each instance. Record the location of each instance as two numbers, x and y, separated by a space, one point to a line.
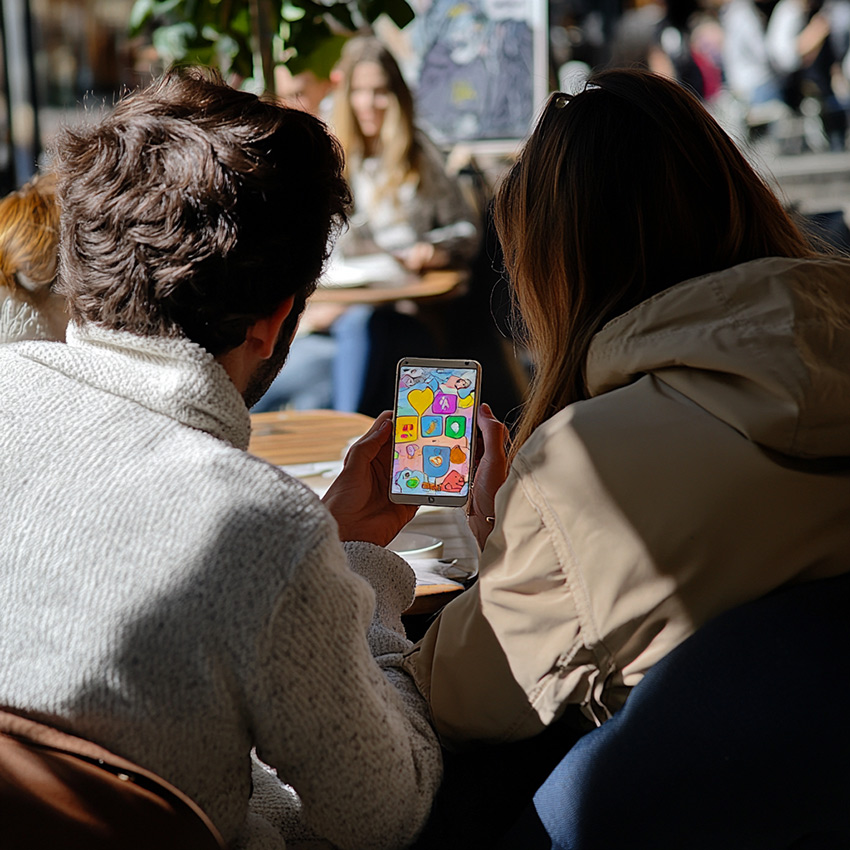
194 209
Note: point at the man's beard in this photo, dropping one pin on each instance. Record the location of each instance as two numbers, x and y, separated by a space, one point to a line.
268 369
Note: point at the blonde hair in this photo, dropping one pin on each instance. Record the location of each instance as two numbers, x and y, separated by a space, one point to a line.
622 191
29 236
398 149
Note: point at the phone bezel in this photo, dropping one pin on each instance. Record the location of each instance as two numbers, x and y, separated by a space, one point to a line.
434 500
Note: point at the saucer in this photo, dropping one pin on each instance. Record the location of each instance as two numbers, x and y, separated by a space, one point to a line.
410 544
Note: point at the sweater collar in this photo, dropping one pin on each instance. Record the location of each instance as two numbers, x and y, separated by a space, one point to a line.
172 376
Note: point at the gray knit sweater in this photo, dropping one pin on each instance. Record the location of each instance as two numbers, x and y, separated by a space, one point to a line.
180 602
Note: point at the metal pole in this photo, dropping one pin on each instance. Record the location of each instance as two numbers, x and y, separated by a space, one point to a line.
23 105
262 46
6 181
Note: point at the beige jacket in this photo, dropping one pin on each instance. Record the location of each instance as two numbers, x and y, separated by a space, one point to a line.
710 465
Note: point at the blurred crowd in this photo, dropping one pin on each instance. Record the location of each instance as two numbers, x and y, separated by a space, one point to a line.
773 72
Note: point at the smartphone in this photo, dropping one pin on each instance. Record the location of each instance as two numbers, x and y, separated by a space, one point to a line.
434 431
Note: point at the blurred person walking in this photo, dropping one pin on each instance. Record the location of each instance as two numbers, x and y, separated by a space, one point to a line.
807 41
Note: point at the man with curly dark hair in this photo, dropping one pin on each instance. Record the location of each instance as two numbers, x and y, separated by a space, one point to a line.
166 594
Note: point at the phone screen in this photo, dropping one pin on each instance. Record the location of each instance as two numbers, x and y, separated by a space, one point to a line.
434 439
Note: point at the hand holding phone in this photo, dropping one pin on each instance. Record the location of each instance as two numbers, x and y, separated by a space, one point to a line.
490 474
434 431
358 497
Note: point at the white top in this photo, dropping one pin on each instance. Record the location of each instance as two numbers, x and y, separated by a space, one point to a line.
39 315
432 210
746 63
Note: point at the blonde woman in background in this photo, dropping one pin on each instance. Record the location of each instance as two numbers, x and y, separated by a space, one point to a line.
405 205
404 202
29 244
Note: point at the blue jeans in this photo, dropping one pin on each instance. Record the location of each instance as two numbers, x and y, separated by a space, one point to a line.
353 367
305 381
737 739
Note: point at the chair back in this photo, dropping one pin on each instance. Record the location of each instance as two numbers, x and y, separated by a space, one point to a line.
739 739
61 791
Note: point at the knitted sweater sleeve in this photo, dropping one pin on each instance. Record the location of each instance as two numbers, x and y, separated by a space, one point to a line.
356 744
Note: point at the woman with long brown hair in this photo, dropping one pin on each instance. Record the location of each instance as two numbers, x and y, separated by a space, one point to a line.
645 198
684 447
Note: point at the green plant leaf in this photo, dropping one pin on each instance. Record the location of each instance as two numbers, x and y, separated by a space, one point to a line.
202 55
291 12
320 61
163 8
240 23
172 41
142 10
399 11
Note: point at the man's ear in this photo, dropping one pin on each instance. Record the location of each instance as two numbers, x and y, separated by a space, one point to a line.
263 334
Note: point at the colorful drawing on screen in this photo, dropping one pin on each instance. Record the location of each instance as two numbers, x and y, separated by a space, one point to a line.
433 430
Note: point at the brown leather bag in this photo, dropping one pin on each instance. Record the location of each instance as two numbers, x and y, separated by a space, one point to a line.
60 792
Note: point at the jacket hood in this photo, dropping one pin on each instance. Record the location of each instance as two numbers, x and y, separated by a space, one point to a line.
763 346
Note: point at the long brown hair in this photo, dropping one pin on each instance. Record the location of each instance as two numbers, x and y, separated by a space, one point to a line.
398 148
622 191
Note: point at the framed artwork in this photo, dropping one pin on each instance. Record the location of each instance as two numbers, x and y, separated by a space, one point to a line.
482 67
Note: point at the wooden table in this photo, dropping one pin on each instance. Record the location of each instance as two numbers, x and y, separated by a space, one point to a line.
291 437
433 284
430 598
